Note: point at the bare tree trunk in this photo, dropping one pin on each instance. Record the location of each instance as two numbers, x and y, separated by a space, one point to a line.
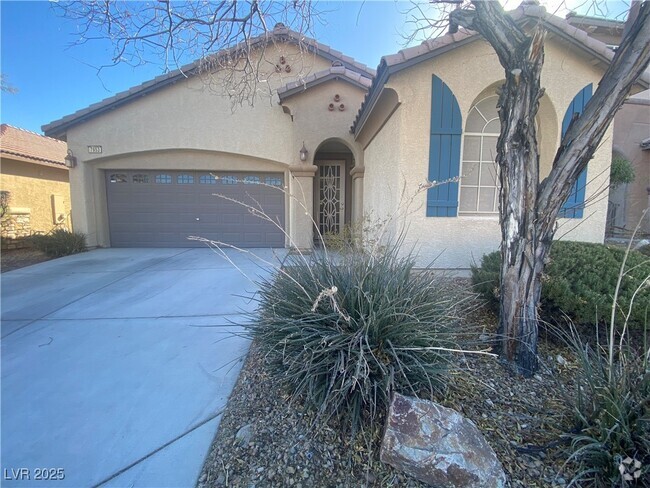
523 250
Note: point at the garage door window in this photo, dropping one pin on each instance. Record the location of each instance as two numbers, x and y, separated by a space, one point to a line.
273 181
140 178
118 178
207 180
163 179
185 179
229 180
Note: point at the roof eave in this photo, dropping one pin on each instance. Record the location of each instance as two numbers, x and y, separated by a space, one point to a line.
32 160
284 95
390 70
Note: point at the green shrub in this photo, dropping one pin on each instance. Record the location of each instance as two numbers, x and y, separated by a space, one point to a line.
579 280
645 250
59 242
611 403
343 335
621 172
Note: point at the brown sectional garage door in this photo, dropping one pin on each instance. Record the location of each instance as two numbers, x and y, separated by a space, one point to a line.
162 208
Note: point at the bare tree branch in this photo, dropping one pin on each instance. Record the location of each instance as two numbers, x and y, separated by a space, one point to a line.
175 33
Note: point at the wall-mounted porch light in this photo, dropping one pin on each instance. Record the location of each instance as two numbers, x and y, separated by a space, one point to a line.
70 159
303 152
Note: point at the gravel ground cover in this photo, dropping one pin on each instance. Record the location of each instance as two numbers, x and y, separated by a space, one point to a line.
265 440
19 258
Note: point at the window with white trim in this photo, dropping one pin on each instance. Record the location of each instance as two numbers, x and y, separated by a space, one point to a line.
479 185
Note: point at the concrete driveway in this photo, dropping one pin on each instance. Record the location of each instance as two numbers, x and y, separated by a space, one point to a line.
117 364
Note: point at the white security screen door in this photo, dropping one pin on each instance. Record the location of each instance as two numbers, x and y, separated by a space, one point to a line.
331 189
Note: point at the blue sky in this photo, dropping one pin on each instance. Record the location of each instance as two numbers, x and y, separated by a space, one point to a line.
54 79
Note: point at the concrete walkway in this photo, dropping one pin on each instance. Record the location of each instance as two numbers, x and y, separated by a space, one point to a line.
117 363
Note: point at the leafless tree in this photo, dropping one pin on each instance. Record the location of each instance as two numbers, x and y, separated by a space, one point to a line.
188 35
528 207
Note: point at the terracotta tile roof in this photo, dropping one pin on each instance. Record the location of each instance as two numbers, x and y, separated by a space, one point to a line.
280 33
32 147
434 47
335 72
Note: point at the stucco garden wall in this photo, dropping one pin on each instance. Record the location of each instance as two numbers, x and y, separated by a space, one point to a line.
468 71
32 187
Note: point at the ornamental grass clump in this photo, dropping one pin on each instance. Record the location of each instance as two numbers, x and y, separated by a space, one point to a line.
611 401
344 332
611 444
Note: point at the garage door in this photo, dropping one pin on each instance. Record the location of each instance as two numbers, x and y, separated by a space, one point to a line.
163 208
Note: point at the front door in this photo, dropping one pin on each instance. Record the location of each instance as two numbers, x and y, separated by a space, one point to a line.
331 190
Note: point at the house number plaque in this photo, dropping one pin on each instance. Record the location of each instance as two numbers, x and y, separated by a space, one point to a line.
95 149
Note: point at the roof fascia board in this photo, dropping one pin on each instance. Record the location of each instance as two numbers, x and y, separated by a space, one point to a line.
306 86
396 68
4 154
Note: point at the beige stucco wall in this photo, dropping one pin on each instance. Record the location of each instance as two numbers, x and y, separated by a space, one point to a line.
466 238
382 183
631 126
192 125
32 187
315 124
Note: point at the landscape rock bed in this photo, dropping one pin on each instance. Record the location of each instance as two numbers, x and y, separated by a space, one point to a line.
20 258
521 419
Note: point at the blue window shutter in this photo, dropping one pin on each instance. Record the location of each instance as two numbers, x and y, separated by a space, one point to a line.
444 151
574 206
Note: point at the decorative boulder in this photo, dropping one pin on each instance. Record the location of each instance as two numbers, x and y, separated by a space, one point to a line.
439 446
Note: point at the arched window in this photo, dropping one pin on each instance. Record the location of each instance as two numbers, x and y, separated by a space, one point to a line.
479 185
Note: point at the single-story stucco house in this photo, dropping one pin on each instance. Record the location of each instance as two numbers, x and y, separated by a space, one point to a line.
34 182
345 141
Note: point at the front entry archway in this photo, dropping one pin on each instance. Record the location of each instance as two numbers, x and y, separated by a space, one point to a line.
332 188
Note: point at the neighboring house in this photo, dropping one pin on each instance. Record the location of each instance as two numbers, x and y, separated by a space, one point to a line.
627 202
345 141
34 181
